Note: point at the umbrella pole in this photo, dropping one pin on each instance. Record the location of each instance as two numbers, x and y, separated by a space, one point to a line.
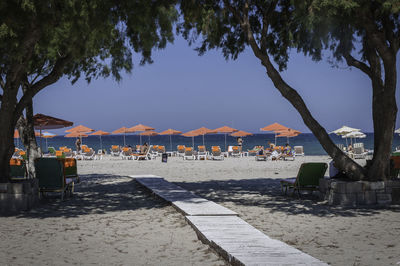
140 139
124 140
203 141
275 139
41 150
225 142
193 142
170 141
46 145
149 139
101 144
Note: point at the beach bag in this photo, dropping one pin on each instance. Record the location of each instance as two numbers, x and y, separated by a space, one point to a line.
164 157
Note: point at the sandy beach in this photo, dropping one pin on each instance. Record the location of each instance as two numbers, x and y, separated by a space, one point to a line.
112 220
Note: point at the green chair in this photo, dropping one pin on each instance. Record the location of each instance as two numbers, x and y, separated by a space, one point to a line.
51 151
18 169
307 178
70 169
51 175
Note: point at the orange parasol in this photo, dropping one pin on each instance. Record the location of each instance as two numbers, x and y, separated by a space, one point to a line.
225 130
191 134
241 133
76 135
149 133
100 133
170 132
202 131
80 129
140 128
120 131
275 127
288 133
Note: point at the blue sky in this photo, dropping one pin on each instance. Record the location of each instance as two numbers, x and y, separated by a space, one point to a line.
184 91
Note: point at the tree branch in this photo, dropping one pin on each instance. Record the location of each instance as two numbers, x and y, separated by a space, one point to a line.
341 160
2 84
351 61
51 78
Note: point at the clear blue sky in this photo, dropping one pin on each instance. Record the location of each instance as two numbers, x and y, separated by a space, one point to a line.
184 91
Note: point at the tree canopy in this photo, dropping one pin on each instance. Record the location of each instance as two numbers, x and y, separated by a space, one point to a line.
41 41
363 33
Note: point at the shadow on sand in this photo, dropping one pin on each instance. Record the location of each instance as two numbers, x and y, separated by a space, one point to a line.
96 194
266 193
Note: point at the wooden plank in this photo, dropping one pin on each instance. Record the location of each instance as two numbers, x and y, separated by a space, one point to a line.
183 200
234 239
242 244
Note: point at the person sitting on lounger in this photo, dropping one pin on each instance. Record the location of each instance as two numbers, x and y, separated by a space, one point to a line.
144 148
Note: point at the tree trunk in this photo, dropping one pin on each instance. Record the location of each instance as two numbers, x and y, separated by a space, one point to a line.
7 122
384 116
27 133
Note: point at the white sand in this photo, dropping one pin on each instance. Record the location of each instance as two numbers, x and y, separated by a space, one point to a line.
112 220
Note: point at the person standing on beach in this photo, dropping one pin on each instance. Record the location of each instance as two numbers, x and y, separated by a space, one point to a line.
240 143
78 145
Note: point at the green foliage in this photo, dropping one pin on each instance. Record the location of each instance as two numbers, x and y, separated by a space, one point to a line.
97 36
310 26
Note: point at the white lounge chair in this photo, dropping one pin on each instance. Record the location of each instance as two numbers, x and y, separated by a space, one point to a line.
189 155
298 151
126 154
115 150
181 150
236 151
216 153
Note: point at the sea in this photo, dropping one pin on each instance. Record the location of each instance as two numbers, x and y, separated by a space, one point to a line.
307 140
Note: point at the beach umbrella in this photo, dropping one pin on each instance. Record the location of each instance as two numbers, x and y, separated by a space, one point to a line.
344 130
202 131
275 127
225 130
42 122
354 134
170 132
100 133
149 133
241 133
121 130
80 130
47 135
288 134
191 134
76 135
140 128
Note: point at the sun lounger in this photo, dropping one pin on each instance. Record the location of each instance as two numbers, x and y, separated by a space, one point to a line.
144 156
71 169
52 151
18 169
298 151
216 153
261 156
161 150
126 153
201 152
255 150
115 150
307 178
51 175
181 150
89 154
394 165
236 152
189 155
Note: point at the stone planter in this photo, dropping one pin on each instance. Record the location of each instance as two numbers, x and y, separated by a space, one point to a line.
18 196
359 193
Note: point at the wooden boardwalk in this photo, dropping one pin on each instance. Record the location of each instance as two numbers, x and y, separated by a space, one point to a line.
234 239
183 200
